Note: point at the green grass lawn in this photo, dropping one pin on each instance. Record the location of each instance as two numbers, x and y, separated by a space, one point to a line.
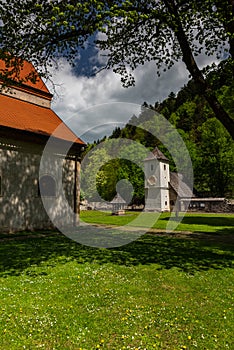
193 222
159 292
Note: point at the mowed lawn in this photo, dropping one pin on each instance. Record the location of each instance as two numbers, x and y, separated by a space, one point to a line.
193 222
160 292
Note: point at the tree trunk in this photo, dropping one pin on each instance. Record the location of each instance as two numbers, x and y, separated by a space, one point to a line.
195 72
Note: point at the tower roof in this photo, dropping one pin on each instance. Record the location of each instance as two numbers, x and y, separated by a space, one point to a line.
156 154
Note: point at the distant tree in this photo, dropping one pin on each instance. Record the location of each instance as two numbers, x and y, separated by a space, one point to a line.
111 163
214 163
162 31
116 133
133 169
183 117
92 174
125 172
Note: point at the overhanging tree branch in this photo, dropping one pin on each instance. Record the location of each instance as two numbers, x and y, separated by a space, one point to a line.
195 72
47 30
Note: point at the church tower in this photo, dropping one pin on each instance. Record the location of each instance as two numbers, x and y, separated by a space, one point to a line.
157 177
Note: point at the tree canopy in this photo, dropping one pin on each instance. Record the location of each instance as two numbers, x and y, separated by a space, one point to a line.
134 32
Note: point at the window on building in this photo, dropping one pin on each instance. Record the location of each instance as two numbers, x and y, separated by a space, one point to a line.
152 167
0 185
165 202
47 186
165 167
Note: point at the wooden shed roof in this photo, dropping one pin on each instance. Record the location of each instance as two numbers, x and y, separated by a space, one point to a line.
179 186
118 200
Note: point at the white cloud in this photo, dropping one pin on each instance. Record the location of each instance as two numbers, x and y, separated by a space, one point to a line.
85 102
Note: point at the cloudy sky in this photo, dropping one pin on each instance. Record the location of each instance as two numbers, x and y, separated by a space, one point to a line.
92 105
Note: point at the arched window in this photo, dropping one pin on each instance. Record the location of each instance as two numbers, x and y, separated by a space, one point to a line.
47 186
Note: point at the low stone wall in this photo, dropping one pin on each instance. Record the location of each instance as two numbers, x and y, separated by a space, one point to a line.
212 205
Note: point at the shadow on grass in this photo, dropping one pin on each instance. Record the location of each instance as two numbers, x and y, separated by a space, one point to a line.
187 254
210 220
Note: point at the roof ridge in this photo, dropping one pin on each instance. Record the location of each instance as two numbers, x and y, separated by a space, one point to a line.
22 80
156 154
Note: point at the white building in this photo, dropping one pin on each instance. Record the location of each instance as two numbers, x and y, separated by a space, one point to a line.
26 124
157 178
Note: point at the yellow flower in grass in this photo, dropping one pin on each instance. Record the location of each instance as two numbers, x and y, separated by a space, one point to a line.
189 337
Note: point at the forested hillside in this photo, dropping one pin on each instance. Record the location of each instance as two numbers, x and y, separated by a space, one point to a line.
210 146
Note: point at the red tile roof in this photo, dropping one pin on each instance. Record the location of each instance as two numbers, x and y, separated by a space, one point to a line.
23 115
26 116
24 71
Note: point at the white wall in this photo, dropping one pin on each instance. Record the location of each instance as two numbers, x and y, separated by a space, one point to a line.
21 207
157 195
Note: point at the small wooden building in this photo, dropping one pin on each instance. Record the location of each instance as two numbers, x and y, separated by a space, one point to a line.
118 205
178 189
